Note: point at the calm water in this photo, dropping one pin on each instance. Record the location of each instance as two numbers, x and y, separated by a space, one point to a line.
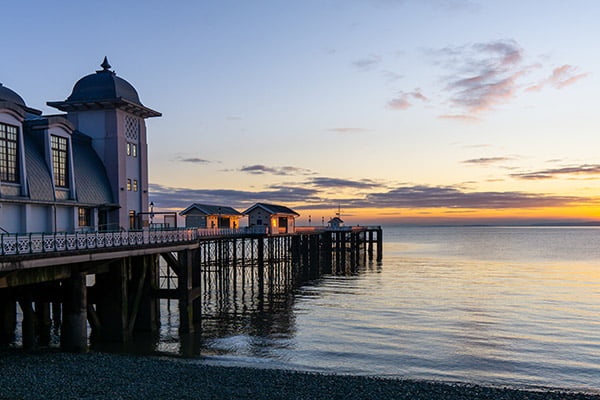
506 306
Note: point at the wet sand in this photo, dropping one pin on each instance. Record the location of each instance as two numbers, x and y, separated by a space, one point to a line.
55 375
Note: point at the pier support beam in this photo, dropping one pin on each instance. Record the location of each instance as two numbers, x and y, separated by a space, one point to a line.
43 322
8 319
112 302
379 244
73 336
189 294
148 312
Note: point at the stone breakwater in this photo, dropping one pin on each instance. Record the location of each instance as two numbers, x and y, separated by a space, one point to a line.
53 375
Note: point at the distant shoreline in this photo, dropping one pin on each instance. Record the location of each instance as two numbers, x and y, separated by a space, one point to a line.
55 375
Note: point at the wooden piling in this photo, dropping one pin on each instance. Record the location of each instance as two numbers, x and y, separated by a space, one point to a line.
73 336
379 244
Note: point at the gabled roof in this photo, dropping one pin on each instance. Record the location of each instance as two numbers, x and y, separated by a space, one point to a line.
336 219
210 209
273 209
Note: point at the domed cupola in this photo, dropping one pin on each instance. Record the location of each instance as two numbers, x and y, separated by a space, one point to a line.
9 95
104 90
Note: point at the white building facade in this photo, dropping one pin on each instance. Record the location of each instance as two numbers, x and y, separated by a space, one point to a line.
80 171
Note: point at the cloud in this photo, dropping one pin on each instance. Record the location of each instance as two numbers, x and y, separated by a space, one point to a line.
561 77
486 160
347 130
167 197
195 160
407 196
190 159
325 182
451 197
483 74
367 63
391 76
458 117
259 169
551 173
402 101
233 118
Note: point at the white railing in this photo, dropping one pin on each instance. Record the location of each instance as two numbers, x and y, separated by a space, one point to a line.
34 243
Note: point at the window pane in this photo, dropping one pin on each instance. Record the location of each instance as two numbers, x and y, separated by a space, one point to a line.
9 159
59 160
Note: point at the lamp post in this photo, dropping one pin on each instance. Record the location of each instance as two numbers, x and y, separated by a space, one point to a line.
151 213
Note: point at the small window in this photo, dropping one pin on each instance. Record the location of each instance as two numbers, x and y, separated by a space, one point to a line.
131 219
85 216
135 185
9 156
134 150
60 161
129 185
128 148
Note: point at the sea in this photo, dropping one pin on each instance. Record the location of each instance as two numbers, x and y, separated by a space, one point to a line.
500 306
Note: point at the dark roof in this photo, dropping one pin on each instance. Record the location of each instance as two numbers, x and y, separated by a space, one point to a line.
10 95
272 209
91 182
102 90
38 175
336 219
210 209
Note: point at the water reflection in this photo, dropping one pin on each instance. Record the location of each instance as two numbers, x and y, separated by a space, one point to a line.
245 312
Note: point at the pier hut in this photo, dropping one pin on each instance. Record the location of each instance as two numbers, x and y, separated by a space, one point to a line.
275 218
335 223
211 216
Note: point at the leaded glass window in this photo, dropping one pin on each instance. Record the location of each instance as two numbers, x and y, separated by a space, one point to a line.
9 156
60 161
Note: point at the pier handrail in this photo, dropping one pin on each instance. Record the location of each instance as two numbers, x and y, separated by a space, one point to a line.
49 242
12 244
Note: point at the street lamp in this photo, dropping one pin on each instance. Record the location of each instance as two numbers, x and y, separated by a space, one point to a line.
151 212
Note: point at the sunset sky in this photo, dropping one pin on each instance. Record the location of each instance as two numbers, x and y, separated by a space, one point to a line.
408 111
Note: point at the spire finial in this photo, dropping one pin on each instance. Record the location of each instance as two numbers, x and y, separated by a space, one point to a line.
105 65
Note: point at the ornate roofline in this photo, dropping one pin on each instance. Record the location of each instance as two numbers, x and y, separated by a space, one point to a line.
105 104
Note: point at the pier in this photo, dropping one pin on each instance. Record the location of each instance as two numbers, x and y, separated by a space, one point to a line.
112 282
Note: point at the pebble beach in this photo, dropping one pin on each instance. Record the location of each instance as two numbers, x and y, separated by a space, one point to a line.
55 375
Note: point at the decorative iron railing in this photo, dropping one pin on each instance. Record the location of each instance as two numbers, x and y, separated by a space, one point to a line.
33 243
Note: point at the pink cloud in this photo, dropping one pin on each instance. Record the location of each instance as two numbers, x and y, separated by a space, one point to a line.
399 103
459 117
561 77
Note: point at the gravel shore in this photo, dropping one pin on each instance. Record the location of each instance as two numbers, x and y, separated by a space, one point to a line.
55 375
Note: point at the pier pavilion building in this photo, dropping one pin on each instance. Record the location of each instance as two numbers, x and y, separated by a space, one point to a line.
275 218
83 170
211 216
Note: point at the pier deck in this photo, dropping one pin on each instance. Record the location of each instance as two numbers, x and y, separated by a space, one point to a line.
114 280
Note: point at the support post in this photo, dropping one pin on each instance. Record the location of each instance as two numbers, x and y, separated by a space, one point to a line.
42 312
185 286
379 244
28 322
73 336
8 319
112 304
